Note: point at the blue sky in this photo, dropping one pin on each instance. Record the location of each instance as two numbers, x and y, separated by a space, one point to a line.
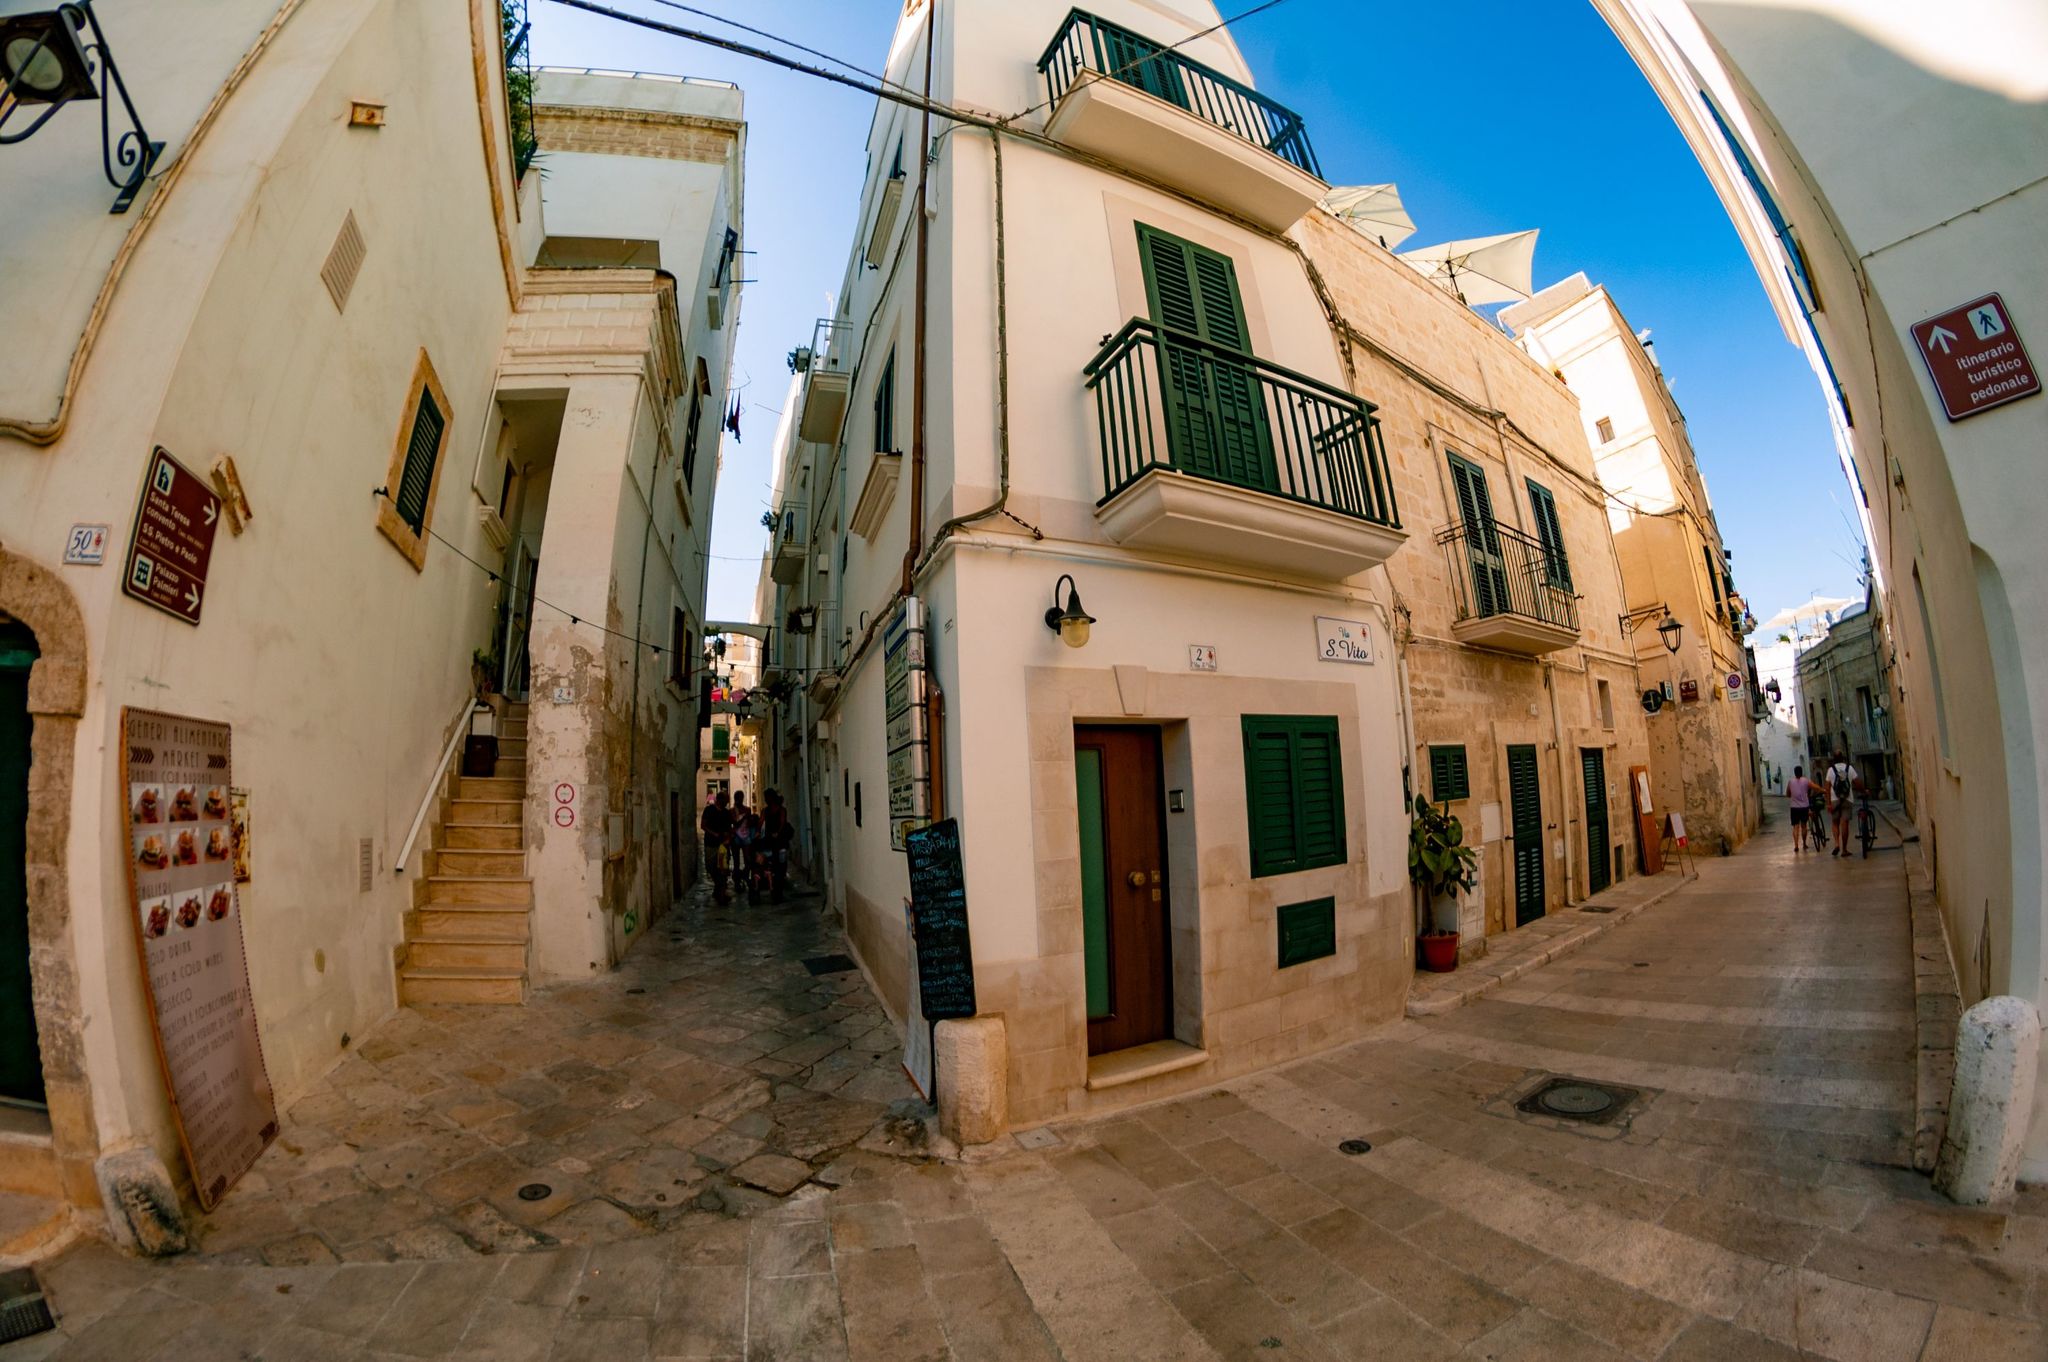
1492 115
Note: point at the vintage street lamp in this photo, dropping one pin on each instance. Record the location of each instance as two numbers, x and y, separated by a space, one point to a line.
46 58
1669 630
1071 623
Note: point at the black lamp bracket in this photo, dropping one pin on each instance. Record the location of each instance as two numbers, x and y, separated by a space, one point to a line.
132 151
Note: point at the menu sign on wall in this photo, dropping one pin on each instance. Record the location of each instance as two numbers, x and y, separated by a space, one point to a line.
176 789
903 708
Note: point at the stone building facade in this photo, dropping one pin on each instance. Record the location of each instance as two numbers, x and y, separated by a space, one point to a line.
1848 695
1703 757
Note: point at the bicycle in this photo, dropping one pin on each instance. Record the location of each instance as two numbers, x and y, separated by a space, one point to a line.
1817 824
1866 826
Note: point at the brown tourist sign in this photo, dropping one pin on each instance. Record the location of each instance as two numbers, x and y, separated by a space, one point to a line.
173 539
178 795
1975 357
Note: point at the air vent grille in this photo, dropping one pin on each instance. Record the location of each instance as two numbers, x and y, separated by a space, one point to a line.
344 262
365 857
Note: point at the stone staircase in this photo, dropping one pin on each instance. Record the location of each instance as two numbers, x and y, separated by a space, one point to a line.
467 934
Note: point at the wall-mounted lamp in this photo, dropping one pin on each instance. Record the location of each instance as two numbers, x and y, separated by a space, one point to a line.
1071 623
1669 630
46 58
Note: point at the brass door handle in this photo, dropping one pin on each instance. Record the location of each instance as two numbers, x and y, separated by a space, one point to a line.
1137 878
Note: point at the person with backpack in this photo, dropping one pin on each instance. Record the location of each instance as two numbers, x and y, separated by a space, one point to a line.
1800 791
716 825
1843 781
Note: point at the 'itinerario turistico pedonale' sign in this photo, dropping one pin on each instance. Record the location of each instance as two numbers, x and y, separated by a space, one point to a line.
175 789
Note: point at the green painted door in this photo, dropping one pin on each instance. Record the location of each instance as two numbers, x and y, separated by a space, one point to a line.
21 1061
1593 767
1482 544
1525 804
1216 423
1141 63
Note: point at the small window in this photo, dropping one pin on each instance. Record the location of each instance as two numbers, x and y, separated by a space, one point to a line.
1448 776
1294 792
1308 931
698 391
406 514
1713 577
885 407
1605 427
1606 704
679 645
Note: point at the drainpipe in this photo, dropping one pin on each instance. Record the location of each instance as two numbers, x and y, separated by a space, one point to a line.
1563 783
917 399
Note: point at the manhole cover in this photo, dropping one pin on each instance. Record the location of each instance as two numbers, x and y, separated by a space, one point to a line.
536 1191
829 964
1355 1147
1578 1099
1575 1100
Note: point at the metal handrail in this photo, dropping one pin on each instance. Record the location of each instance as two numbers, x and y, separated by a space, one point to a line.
1167 400
1496 570
1206 93
433 795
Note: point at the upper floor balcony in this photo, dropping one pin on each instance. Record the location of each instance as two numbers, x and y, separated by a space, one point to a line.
1213 453
792 548
1121 96
1508 591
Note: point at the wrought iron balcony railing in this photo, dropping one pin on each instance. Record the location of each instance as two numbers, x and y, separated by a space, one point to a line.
1085 42
1164 399
1495 570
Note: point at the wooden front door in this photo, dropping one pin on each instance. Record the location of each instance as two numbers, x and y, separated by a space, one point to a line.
1126 931
21 1060
1525 802
1593 766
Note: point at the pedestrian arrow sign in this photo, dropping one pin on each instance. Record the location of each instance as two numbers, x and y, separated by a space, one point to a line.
172 544
1976 358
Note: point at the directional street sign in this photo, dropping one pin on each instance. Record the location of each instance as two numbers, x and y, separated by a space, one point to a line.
1975 357
173 539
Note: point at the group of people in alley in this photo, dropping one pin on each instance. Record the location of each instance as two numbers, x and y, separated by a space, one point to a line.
750 842
1813 802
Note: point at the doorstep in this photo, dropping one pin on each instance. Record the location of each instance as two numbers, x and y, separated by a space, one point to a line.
1510 955
1141 1062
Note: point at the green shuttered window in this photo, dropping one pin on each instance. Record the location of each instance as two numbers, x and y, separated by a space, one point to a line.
1294 791
1550 533
1448 776
1308 931
422 450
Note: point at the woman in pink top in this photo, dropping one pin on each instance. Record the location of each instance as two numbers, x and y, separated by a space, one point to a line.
1800 791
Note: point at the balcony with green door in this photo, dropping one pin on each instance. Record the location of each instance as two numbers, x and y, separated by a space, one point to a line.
1509 591
1138 103
1214 453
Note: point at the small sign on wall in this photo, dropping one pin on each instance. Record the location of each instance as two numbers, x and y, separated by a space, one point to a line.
86 546
1201 657
1343 640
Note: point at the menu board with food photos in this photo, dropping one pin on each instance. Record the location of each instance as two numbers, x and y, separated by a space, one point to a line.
176 783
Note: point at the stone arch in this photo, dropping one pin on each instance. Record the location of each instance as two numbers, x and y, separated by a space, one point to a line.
34 596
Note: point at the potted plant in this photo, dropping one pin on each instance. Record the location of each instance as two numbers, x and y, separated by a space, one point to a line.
483 670
1441 865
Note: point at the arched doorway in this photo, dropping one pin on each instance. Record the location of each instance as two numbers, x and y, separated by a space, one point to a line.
21 1055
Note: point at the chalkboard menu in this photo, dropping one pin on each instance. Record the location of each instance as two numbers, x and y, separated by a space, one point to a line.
938 907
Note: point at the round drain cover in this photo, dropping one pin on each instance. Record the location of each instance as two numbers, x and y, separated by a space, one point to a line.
1575 1099
1354 1147
536 1191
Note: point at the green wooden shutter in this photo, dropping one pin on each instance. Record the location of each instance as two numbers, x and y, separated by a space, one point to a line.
1449 776
885 407
1482 546
1308 931
1294 792
1557 567
422 450
1138 62
1215 409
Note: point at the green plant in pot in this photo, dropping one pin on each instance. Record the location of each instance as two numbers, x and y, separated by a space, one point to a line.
1442 866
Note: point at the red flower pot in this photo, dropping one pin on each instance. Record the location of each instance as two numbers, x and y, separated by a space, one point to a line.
1440 952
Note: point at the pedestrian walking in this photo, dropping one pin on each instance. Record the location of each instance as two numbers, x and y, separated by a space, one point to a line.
1799 790
716 825
776 835
1843 782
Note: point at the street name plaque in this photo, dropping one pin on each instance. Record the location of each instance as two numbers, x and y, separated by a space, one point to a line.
178 798
173 539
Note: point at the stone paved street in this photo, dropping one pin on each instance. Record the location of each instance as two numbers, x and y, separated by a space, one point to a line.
1753 1203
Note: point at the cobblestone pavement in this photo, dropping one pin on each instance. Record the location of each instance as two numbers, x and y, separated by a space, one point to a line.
1753 1203
711 1073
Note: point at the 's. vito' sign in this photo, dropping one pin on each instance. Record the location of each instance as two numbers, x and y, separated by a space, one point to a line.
173 539
1975 357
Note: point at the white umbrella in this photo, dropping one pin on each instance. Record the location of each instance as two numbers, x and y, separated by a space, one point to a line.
1481 270
1823 609
1374 209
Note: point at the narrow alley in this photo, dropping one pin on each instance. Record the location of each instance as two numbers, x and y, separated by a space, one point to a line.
715 1126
